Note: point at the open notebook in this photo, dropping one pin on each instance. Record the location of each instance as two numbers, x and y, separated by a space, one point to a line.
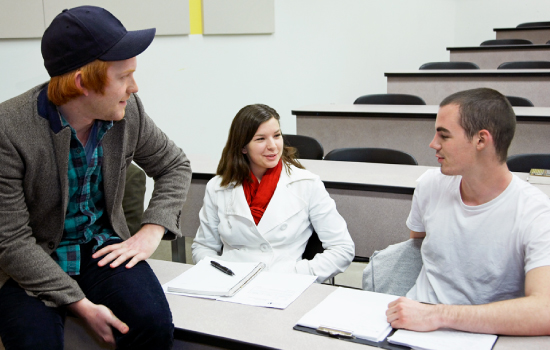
204 279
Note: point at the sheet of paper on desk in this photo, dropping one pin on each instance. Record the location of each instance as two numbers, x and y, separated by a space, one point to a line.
360 312
271 289
444 339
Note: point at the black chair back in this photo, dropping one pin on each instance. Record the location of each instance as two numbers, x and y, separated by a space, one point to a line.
307 147
449 65
523 163
389 99
533 24
506 42
525 65
371 155
313 247
517 101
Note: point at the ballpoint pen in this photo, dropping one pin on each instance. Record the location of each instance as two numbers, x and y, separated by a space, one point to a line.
221 268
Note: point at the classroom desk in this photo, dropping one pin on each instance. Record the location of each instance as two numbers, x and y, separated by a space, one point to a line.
374 199
208 324
434 85
491 56
537 35
406 128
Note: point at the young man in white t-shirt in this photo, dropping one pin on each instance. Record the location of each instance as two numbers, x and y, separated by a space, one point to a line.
486 251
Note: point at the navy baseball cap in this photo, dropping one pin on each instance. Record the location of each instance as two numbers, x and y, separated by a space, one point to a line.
83 34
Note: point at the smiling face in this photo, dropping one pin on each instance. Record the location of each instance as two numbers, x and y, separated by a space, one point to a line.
265 149
111 105
454 151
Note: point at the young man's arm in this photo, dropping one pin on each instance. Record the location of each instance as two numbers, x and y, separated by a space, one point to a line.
529 315
415 234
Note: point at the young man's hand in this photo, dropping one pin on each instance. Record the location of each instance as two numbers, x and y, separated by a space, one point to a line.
99 319
139 247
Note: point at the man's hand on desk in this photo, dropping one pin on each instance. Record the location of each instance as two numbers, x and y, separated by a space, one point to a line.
139 247
409 314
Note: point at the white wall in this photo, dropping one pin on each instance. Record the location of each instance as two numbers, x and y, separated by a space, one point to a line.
321 52
475 19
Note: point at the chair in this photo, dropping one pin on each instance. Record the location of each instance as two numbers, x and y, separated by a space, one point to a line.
371 155
134 194
525 65
523 163
389 99
520 101
308 147
533 24
313 247
506 42
449 65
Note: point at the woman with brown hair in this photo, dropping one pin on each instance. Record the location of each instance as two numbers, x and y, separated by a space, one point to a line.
263 205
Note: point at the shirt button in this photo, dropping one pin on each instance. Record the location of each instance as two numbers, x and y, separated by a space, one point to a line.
51 245
264 247
283 227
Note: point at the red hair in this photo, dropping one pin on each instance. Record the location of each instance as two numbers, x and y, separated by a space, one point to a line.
62 88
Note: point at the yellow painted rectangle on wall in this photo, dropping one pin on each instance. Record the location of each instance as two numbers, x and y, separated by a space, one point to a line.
195 16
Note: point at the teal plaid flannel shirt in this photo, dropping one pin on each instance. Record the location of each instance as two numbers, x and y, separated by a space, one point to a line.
85 218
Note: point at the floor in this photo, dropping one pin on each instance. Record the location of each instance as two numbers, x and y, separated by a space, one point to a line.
352 277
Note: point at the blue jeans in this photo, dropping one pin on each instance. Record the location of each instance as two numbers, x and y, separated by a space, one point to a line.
134 295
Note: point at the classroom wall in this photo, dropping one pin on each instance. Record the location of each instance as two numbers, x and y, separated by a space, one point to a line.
321 52
475 19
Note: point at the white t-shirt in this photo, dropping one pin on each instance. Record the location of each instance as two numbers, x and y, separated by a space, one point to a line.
477 254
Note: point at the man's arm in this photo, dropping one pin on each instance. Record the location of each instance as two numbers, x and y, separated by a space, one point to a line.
415 234
168 165
529 315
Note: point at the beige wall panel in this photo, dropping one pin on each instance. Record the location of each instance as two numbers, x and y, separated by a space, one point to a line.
238 16
21 19
170 17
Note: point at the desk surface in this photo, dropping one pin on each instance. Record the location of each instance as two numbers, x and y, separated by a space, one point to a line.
263 327
515 29
525 47
403 111
494 73
395 178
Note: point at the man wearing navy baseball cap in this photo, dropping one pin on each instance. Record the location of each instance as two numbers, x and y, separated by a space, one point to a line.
65 147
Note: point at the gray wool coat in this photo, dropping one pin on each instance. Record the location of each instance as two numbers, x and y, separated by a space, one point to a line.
34 153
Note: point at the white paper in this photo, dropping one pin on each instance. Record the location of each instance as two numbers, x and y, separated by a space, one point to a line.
271 289
360 312
443 339
207 280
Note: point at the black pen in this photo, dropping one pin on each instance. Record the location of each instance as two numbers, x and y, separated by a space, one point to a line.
222 268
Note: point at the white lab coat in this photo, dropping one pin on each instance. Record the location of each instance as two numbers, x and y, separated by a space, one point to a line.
299 205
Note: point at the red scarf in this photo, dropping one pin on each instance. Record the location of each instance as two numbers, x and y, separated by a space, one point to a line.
258 194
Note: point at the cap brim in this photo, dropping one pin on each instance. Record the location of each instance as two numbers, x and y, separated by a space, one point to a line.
131 45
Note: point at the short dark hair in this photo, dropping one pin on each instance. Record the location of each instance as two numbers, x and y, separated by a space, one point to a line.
234 167
487 109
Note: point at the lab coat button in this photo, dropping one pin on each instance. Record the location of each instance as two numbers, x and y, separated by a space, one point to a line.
284 226
264 247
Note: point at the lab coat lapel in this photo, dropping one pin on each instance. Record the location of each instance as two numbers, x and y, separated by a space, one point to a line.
235 202
283 205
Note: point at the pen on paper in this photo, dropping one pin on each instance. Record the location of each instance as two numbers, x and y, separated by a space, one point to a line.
222 268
